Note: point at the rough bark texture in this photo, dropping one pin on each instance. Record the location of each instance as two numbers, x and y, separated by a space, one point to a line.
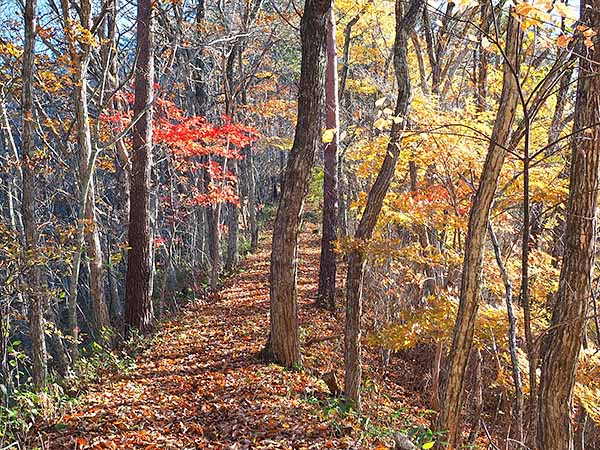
563 340
405 22
283 344
462 341
327 271
139 313
36 307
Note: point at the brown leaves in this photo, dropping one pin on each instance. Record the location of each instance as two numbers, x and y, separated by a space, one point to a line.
199 384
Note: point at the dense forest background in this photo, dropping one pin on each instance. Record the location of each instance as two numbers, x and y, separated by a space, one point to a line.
437 162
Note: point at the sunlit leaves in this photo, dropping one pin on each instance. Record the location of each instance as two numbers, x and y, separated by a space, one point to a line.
328 135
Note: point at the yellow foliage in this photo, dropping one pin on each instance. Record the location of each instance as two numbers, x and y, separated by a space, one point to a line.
435 322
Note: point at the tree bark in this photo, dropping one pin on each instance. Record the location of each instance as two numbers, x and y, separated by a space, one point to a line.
462 341
562 341
213 218
512 338
283 345
405 23
39 357
233 223
87 200
139 313
327 270
251 182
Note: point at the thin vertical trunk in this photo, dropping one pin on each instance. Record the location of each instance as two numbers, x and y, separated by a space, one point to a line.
233 212
482 58
405 23
213 218
462 341
346 51
252 205
39 356
15 218
139 313
421 62
283 345
562 342
86 156
327 271
512 339
87 203
233 224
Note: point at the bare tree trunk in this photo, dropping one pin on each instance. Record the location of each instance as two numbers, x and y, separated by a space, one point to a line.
405 23
139 312
251 181
346 50
283 345
562 342
482 57
213 218
462 341
419 53
39 356
233 223
327 270
87 159
512 339
14 181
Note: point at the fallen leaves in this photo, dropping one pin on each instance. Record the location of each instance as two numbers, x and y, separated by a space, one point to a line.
200 384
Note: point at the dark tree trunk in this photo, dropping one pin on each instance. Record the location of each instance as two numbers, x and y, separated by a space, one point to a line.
39 356
327 271
562 342
139 313
283 345
462 341
405 23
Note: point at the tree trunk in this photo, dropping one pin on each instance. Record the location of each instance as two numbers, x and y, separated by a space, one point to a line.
405 23
517 417
462 341
482 58
39 356
233 223
327 271
562 341
87 199
213 218
139 313
283 345
251 181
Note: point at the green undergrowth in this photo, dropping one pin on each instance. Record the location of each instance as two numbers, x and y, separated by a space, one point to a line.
343 420
23 407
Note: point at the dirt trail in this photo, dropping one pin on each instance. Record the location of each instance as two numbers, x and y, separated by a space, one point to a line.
201 385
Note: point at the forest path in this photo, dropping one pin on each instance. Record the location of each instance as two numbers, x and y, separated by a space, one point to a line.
201 385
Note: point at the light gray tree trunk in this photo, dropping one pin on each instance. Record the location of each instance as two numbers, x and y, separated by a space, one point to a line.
39 357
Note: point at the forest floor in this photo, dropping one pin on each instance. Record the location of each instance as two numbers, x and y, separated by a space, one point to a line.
200 384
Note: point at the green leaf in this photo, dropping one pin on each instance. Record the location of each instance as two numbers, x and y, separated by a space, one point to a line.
428 445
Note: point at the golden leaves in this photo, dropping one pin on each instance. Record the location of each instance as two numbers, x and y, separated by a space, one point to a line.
328 135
